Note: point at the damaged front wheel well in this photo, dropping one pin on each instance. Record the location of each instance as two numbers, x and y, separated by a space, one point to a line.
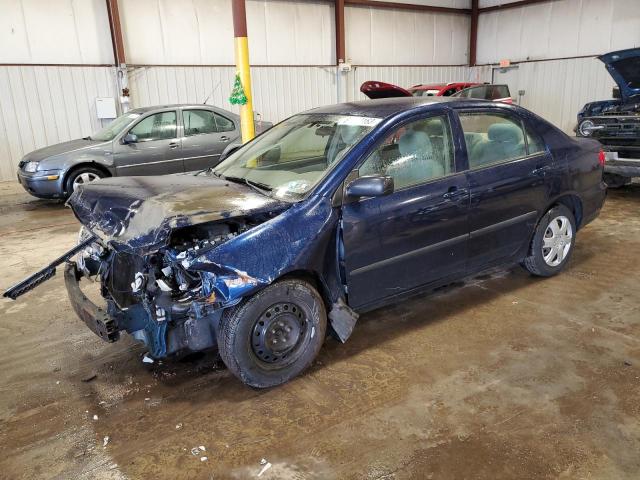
314 279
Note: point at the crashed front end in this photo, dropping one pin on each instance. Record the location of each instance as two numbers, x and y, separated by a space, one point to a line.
157 297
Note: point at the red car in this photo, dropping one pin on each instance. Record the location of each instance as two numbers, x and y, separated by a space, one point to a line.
497 93
438 89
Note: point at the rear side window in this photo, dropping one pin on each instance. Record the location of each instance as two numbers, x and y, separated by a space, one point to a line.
491 138
198 121
416 153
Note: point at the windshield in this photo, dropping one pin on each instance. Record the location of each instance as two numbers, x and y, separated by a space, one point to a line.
288 160
114 128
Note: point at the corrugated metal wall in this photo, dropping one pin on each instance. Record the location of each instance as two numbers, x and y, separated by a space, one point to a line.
40 106
557 89
558 29
278 91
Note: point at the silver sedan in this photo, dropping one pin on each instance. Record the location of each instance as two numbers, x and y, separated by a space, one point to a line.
145 141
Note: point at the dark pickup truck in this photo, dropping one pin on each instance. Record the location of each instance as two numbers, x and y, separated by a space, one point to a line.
616 123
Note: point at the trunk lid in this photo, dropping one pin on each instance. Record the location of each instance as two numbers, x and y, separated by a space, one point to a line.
624 67
374 89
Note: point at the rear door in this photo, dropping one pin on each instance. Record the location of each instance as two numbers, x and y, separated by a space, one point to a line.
418 234
206 135
157 149
509 173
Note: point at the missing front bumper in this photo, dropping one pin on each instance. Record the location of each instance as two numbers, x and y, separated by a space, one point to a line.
98 321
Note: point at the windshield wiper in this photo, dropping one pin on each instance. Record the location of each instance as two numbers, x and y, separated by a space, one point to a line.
262 188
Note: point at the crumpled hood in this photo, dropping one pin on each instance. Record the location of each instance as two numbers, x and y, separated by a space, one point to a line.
60 148
624 67
139 213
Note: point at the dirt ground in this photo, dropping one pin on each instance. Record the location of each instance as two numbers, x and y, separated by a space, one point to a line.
504 376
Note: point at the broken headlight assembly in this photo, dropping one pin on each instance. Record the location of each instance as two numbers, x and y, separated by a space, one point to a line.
89 260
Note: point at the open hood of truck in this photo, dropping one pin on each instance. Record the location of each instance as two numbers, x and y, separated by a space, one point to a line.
374 90
624 67
139 213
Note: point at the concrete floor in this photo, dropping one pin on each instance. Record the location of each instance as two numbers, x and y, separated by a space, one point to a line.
506 376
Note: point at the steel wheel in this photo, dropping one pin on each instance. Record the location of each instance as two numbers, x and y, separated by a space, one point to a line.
557 241
84 177
279 333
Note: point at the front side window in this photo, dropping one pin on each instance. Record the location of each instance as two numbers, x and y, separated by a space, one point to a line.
159 126
197 122
416 153
289 159
491 138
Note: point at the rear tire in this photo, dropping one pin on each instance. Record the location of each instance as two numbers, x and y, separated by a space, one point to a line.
273 336
553 243
81 176
615 181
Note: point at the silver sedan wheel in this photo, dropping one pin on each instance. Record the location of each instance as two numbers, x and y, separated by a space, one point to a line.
83 178
557 241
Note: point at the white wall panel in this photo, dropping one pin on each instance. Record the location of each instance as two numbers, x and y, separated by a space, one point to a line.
557 89
200 32
278 92
435 3
55 31
376 36
558 29
40 106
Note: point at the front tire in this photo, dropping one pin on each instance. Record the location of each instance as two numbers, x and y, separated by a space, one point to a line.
81 176
552 243
274 335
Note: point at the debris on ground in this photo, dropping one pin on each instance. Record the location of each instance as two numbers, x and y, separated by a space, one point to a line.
90 377
105 441
265 466
196 451
203 459
179 426
95 417
147 359
627 363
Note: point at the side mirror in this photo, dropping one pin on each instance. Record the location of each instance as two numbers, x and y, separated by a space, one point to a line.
130 138
374 186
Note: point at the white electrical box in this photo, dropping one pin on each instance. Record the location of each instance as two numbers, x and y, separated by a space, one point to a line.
106 107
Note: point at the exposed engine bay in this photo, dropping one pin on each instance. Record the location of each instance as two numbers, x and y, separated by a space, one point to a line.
157 297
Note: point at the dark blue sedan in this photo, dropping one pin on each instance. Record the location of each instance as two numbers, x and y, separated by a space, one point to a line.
331 213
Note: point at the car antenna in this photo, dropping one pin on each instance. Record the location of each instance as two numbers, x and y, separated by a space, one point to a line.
211 93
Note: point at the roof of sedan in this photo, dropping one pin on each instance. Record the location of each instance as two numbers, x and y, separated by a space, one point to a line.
173 105
385 107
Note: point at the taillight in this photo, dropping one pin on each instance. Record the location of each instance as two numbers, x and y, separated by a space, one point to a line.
601 158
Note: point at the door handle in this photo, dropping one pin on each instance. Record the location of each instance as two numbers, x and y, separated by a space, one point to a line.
224 138
174 145
455 192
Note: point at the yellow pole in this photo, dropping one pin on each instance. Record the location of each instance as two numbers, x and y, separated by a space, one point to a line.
247 126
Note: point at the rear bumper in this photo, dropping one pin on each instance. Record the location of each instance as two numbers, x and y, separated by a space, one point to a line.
42 186
626 167
98 321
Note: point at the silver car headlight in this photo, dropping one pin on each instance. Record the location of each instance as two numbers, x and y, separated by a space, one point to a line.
31 167
586 128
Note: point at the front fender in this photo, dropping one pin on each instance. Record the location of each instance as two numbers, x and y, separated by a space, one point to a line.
303 238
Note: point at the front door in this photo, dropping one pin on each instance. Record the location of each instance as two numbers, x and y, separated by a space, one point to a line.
154 149
508 173
416 235
206 135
